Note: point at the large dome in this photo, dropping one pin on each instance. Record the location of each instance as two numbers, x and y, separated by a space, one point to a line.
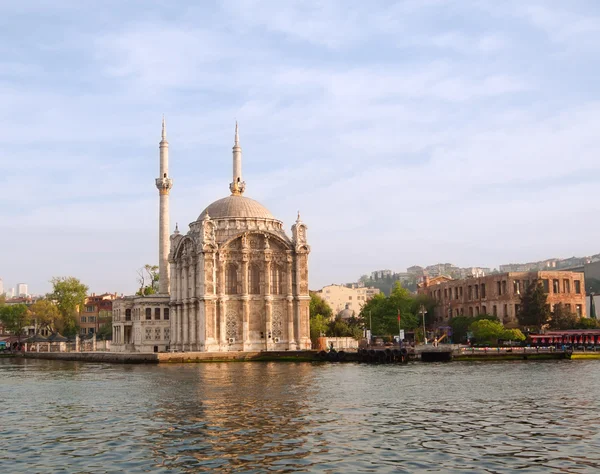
236 206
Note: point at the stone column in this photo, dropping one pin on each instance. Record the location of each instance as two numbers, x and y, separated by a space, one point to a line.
290 304
222 304
192 305
268 302
245 301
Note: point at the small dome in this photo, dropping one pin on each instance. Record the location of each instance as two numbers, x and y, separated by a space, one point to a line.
346 313
236 206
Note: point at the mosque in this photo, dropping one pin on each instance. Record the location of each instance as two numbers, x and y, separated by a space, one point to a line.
234 282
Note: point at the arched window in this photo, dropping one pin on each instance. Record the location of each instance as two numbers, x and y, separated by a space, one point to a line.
231 286
277 280
254 280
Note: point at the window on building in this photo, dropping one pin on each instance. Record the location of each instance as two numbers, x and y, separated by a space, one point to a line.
555 286
546 285
91 319
278 280
462 311
483 290
483 310
470 292
476 310
517 287
166 316
568 307
89 309
567 286
525 285
254 277
82 331
505 311
578 310
517 307
350 298
577 286
499 288
503 287
471 311
91 330
127 315
476 292
460 291
456 293
231 284
157 313
148 313
495 310
84 319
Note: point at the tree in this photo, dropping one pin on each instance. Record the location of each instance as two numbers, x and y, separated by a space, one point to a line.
534 309
46 315
513 335
487 331
460 325
69 295
381 312
14 318
319 306
587 323
562 318
319 325
105 331
148 279
593 285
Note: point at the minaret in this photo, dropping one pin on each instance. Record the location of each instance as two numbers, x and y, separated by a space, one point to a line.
237 186
164 185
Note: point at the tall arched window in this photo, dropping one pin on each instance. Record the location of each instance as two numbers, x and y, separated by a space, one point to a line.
277 280
254 280
231 284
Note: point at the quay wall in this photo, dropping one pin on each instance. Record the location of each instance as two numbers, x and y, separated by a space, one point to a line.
174 357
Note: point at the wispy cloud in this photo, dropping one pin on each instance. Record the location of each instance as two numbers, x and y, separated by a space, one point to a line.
406 132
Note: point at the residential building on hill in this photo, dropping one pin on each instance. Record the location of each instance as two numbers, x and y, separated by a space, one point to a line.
340 297
96 312
500 294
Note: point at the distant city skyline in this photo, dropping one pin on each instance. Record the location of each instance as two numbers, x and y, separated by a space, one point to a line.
414 131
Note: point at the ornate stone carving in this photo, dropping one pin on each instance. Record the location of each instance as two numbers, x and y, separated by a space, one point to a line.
232 325
277 324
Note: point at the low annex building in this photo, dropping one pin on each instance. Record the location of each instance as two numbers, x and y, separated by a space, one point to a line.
500 294
234 282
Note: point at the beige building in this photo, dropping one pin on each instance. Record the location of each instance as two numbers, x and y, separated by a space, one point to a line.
500 294
234 282
340 297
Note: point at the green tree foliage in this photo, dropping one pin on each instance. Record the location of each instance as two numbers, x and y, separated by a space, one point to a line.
349 328
15 318
387 283
562 318
69 294
319 325
513 335
382 311
319 306
587 323
486 331
534 309
105 330
46 315
460 325
148 278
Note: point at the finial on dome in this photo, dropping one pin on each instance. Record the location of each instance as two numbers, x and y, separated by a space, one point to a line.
298 216
176 228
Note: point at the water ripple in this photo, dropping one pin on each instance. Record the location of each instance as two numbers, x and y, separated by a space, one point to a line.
254 417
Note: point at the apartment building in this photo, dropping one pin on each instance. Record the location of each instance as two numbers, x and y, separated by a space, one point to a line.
500 294
340 297
96 311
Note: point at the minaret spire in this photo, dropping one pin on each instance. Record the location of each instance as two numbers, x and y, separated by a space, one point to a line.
164 185
237 186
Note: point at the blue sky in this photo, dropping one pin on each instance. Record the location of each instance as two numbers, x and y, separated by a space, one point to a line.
406 132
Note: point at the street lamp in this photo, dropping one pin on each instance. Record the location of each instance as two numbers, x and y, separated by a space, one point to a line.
423 311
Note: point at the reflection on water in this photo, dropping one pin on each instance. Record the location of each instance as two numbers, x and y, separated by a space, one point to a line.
257 417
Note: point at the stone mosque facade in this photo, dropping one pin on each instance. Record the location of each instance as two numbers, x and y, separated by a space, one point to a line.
234 282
